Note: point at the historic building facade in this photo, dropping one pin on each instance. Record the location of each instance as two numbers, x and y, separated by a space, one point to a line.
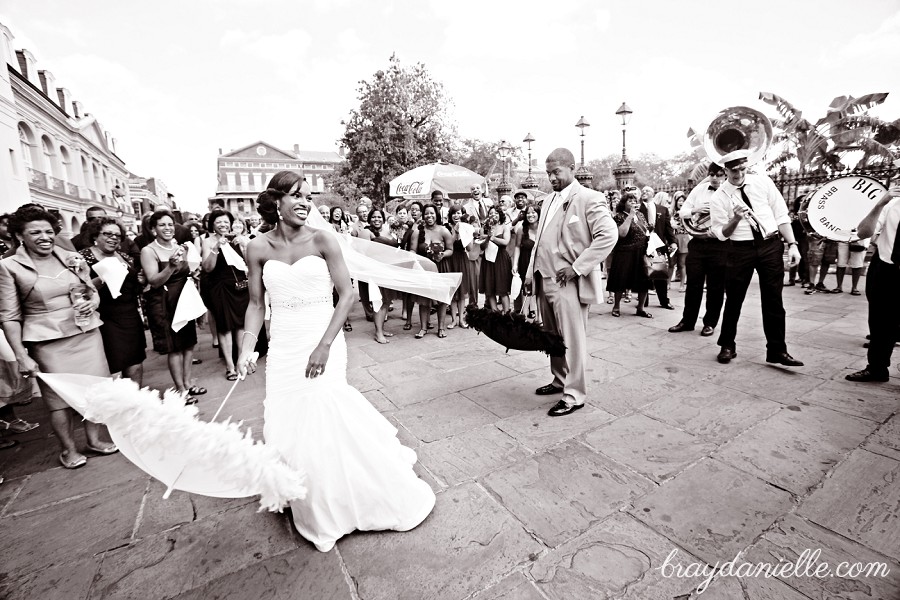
59 154
243 173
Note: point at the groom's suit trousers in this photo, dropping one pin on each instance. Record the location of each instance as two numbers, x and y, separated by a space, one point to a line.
563 313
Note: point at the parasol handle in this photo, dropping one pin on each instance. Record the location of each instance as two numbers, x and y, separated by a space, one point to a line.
171 486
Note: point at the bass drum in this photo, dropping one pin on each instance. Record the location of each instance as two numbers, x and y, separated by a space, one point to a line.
834 210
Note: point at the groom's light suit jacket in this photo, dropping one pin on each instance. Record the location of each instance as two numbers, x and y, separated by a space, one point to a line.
582 233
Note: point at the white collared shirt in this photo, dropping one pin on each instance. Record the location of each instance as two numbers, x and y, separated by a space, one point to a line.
888 221
766 202
698 198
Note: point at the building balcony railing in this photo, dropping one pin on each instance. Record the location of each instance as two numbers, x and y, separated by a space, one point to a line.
37 177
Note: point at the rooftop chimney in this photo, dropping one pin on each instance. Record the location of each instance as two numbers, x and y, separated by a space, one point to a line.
296 148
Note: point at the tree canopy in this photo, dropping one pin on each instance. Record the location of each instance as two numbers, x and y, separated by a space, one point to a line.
403 121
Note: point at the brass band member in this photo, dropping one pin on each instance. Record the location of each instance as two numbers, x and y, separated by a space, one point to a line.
749 212
705 259
882 286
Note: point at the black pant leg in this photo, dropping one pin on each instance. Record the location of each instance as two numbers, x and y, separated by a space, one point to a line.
696 275
741 260
882 291
770 267
714 265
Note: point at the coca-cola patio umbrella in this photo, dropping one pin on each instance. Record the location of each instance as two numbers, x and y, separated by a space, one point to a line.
455 181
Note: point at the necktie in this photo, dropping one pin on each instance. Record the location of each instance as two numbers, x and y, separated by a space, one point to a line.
895 253
757 235
482 213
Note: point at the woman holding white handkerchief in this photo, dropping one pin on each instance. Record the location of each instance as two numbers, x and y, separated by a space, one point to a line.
119 284
226 280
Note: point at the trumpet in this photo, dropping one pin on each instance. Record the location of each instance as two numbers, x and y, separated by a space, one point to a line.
751 217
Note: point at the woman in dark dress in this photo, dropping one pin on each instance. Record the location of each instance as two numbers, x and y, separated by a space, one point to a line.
227 285
496 275
459 263
435 242
123 329
525 232
167 272
407 243
627 271
381 232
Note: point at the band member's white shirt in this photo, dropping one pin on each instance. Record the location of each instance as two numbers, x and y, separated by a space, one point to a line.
698 198
766 202
888 221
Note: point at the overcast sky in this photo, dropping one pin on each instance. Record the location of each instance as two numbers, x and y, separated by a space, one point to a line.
174 81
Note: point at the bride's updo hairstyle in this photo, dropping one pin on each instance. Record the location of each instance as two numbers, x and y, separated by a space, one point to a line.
281 184
267 205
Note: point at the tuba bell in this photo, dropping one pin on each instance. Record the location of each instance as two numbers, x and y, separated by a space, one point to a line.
738 128
734 128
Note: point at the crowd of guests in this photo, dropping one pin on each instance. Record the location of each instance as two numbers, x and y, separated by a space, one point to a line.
61 313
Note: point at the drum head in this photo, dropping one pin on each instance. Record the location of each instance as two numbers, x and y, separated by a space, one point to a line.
835 209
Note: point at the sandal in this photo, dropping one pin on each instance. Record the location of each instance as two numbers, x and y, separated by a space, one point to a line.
196 390
71 464
628 297
452 324
836 291
17 426
348 327
189 400
4 444
855 292
430 326
442 333
407 327
231 375
111 449
379 341
421 334
644 313
615 312
610 300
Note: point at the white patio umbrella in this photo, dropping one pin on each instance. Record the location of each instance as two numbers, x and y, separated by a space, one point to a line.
453 180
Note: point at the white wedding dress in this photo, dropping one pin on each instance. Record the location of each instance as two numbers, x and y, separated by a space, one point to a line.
359 476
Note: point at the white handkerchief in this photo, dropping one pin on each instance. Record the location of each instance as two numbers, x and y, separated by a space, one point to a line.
192 257
654 244
466 234
189 306
490 253
233 258
574 219
515 287
113 273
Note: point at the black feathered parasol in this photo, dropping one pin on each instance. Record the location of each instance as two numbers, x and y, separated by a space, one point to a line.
513 331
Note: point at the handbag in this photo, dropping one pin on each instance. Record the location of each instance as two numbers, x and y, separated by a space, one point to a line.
657 266
857 248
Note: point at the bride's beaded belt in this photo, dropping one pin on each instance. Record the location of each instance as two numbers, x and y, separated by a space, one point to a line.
296 302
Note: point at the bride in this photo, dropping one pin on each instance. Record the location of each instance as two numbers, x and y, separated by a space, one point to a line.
359 476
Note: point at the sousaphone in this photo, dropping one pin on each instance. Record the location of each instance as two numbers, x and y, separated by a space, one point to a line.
734 128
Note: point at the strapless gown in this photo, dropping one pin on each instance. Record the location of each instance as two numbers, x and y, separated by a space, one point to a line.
359 476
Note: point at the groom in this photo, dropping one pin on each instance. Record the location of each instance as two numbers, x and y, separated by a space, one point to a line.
574 235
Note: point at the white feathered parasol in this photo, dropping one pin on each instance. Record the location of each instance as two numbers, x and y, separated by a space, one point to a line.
164 438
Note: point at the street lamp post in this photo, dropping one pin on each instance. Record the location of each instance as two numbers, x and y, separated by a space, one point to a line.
583 175
623 172
503 151
530 183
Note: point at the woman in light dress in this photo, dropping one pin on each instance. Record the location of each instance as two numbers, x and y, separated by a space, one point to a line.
359 476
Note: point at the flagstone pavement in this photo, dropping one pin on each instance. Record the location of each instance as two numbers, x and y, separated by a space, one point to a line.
674 452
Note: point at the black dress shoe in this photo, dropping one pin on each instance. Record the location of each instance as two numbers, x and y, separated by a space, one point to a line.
561 409
668 305
707 331
725 355
783 358
680 327
868 374
548 389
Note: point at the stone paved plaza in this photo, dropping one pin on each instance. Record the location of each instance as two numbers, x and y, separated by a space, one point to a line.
674 452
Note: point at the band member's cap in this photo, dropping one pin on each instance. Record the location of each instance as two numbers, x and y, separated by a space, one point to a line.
732 159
